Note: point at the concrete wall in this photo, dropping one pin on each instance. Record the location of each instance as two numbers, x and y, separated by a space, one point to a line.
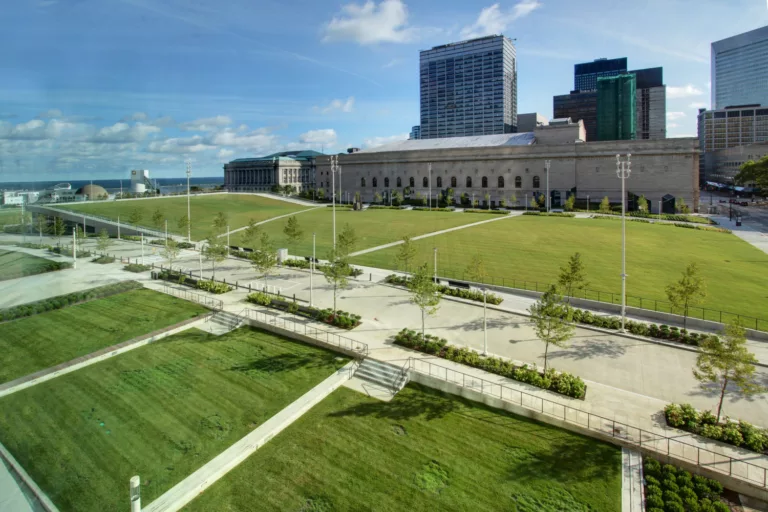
303 338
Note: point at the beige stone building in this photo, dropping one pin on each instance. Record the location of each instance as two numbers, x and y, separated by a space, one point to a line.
508 165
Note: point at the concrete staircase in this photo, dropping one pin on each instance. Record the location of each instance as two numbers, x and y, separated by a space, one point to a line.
222 322
378 379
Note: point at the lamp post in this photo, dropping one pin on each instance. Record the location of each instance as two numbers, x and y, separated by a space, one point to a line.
135 494
435 267
429 172
227 239
622 172
118 227
166 233
311 270
142 247
334 168
200 256
546 164
587 203
485 326
74 246
659 209
189 218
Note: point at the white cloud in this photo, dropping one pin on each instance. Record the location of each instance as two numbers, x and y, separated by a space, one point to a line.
672 125
684 91
674 116
379 141
180 145
392 63
207 124
37 129
225 154
326 137
49 114
698 104
334 105
136 116
123 132
493 21
369 23
256 140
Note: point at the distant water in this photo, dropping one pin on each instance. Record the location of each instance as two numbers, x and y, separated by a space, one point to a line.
167 185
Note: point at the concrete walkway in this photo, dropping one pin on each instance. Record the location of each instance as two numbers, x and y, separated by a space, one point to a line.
192 486
750 234
631 481
271 219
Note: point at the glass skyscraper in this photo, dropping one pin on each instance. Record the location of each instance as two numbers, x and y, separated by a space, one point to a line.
469 88
740 69
585 75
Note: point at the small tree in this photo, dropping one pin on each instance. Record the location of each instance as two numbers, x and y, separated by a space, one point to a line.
424 293
542 201
215 251
513 200
534 203
463 198
727 362
320 194
688 291
79 237
551 320
183 224
171 251
250 233
158 218
424 200
42 226
103 242
642 204
474 203
135 216
605 205
503 203
336 272
265 259
475 271
58 228
570 202
347 241
449 196
357 197
397 199
377 198
292 230
572 275
406 252
680 206
220 222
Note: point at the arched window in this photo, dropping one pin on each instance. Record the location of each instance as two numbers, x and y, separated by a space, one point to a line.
536 183
399 182
469 181
411 182
453 181
375 184
501 181
425 182
518 182
485 182
386 182
362 182
439 182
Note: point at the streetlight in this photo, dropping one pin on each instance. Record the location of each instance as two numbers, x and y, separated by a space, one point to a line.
622 172
435 267
166 233
485 326
227 239
189 217
74 247
142 247
429 171
546 164
587 203
334 168
311 270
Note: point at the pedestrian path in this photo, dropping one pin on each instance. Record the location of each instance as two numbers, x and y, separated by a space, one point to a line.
272 219
749 234
631 481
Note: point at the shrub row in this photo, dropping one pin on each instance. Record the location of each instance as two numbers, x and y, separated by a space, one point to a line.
336 318
63 301
664 216
705 424
550 214
132 238
181 245
492 212
672 489
67 251
200 284
433 209
676 224
136 267
29 245
355 272
103 260
490 298
382 207
563 383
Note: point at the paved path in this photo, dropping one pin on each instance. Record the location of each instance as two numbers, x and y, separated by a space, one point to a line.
749 233
273 218
631 481
434 233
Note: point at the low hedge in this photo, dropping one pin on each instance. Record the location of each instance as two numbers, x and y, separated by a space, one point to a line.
382 207
136 267
132 238
29 245
550 214
433 209
492 212
490 298
67 251
186 245
672 489
741 433
563 383
63 301
676 224
304 264
180 245
338 318
664 216
103 260
201 284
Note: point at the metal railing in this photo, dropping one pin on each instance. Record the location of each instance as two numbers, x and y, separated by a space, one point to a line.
714 315
209 302
135 227
669 446
329 338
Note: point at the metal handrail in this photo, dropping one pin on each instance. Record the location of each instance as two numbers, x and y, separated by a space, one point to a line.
135 227
659 443
209 302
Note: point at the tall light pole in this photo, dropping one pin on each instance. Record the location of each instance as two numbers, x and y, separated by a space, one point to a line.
546 164
74 246
485 326
166 233
189 218
622 172
429 172
227 239
587 203
118 227
334 166
142 247
435 265
311 270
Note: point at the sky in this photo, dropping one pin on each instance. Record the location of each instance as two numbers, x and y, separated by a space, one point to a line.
91 89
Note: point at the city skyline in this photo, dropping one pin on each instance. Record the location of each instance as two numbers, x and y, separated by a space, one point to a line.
95 89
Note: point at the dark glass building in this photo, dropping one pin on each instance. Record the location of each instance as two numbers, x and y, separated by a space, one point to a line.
585 75
578 105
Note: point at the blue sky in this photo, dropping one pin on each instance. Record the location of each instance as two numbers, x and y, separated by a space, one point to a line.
94 88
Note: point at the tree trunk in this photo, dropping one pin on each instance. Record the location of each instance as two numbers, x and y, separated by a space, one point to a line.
685 316
722 395
334 297
423 334
546 349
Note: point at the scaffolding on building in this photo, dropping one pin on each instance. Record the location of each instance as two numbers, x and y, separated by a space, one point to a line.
617 107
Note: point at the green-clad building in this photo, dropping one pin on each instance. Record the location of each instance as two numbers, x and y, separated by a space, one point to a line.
617 107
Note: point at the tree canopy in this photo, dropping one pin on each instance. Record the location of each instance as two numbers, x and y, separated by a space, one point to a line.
756 172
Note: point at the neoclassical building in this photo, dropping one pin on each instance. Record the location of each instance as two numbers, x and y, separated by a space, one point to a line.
514 167
260 174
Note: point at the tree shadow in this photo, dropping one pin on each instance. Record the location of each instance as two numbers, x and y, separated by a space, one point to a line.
492 323
280 363
732 395
404 406
589 349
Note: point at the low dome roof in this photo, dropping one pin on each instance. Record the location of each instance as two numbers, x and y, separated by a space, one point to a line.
92 191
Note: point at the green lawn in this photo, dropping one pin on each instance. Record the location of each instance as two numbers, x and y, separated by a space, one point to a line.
240 208
18 264
34 343
373 227
534 248
160 412
423 451
10 216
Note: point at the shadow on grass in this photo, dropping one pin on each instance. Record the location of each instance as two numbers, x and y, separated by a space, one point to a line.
404 406
281 363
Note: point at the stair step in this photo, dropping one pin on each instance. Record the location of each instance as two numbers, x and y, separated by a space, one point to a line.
382 375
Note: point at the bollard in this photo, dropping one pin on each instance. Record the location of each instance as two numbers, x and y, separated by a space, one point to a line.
370 276
237 284
135 494
249 287
294 297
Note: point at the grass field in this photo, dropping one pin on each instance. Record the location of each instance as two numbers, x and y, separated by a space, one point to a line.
34 343
18 264
373 227
160 412
534 248
422 451
240 208
10 216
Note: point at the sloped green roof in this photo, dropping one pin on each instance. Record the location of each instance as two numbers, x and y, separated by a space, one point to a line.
283 156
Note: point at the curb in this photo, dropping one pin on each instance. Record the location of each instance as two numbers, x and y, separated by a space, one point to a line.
15 467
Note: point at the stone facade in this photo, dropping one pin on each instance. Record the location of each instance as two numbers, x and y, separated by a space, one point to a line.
261 174
661 170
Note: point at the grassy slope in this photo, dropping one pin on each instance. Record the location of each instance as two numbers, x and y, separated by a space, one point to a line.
10 216
241 208
160 412
41 341
373 227
18 264
354 453
531 248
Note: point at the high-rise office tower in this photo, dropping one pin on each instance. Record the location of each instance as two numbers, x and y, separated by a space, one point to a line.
585 75
651 104
740 70
469 88
616 107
